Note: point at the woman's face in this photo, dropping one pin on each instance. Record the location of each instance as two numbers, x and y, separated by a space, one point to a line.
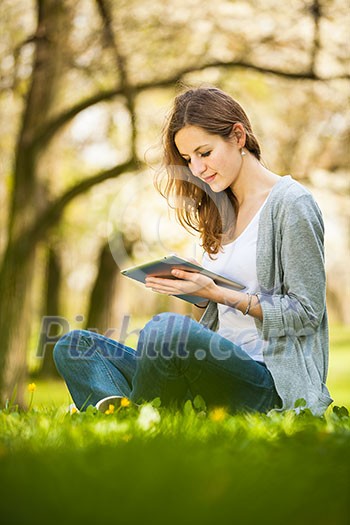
216 161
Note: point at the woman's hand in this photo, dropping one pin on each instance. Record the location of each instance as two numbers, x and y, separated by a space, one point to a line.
191 283
194 283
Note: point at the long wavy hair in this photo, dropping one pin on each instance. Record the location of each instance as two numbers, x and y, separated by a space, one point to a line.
197 207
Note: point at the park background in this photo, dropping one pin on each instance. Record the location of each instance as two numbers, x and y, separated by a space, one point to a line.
85 86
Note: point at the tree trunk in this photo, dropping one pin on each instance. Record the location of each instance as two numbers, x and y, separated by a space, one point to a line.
32 212
100 316
29 198
15 313
51 308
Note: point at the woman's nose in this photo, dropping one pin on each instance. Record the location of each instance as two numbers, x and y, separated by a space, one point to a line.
198 167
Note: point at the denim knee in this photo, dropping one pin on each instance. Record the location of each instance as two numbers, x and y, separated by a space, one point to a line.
163 335
66 347
164 322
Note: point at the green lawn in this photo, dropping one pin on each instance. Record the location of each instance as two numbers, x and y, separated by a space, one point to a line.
153 465
165 467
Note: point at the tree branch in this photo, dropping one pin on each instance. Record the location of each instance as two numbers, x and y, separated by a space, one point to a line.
51 215
111 40
316 13
112 43
46 133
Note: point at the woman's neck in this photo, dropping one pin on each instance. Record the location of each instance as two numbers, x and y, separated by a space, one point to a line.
254 180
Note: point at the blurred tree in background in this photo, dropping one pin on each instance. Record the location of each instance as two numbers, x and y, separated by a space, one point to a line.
84 88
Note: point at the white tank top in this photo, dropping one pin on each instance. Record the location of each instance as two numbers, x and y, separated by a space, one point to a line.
237 261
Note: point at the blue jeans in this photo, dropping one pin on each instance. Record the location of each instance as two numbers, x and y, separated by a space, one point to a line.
176 359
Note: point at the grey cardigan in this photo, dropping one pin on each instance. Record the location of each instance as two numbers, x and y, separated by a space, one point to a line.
291 276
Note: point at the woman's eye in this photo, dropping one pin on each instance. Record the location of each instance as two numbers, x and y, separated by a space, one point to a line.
206 154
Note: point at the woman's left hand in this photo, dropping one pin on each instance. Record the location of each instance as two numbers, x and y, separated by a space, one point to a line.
191 283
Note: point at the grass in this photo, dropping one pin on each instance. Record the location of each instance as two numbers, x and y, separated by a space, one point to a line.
154 465
172 467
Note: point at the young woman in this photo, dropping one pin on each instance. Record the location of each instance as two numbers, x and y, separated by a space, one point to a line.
256 350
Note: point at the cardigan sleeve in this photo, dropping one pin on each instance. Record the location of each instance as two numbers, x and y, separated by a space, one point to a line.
297 305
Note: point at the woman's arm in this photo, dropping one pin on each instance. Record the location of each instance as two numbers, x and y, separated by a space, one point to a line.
195 283
240 301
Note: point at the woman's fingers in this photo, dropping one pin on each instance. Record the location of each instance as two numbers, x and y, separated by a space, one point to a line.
161 285
171 286
186 283
181 274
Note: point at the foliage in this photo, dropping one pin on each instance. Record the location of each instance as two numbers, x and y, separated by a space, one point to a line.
182 467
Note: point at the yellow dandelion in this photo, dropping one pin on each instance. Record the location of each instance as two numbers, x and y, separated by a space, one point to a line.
124 402
32 387
110 410
218 414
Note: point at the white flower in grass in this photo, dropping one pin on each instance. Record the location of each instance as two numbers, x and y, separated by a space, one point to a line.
149 416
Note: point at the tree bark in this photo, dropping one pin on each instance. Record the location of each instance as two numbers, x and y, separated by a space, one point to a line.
100 315
28 200
51 308
15 312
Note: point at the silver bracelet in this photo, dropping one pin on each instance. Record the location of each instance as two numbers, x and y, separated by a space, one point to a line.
249 304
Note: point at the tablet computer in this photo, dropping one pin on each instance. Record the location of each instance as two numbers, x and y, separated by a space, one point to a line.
162 268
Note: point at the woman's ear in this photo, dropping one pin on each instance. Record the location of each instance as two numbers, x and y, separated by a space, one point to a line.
238 134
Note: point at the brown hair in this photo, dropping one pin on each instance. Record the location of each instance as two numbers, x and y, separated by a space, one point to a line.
197 206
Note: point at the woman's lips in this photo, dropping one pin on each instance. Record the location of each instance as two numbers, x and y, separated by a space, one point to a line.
210 179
